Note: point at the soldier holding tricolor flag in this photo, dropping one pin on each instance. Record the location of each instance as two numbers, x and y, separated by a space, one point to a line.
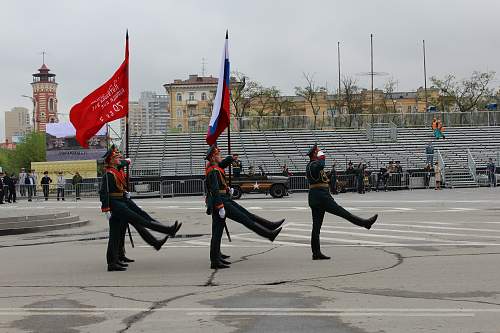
219 202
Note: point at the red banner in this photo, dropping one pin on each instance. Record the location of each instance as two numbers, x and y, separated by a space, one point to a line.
107 103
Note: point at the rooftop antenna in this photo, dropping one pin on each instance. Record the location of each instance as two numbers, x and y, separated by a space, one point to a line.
203 63
43 53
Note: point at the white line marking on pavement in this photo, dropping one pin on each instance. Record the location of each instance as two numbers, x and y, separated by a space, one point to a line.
263 309
431 232
371 234
434 227
332 314
249 239
284 233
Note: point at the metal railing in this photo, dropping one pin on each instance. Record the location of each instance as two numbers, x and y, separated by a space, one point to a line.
472 165
184 187
326 120
382 132
442 165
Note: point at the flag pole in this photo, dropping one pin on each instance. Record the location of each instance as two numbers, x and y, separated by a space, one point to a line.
229 146
126 148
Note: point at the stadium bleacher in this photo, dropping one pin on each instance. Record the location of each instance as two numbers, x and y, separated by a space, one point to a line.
182 154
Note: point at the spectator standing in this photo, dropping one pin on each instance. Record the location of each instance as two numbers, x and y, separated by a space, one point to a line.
35 178
333 180
45 182
441 128
6 186
434 127
429 152
30 184
285 171
12 189
427 175
22 179
359 179
61 183
437 175
77 180
251 170
382 177
491 168
2 193
351 176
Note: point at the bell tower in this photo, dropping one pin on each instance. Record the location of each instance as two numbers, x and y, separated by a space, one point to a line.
44 97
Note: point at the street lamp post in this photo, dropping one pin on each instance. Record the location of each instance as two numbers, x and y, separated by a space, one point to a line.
34 105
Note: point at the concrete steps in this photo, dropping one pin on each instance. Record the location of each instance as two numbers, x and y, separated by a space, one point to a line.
13 225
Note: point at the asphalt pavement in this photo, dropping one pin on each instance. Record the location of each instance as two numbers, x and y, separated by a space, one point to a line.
430 264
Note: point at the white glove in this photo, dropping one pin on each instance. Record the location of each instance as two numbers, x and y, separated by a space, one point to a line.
127 195
108 215
320 154
231 191
222 213
129 161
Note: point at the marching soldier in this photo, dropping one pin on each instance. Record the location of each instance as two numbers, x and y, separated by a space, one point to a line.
321 201
121 210
221 206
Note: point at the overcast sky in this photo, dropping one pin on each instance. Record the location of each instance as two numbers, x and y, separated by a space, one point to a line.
272 41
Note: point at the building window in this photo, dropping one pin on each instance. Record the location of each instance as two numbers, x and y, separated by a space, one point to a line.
51 104
409 108
191 96
179 97
180 114
203 96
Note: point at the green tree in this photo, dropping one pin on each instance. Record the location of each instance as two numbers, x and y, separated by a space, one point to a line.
467 94
30 149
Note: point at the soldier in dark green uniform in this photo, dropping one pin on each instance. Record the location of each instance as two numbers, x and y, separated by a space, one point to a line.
220 205
121 210
321 201
237 166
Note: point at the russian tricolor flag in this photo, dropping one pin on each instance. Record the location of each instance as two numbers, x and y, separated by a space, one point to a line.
221 109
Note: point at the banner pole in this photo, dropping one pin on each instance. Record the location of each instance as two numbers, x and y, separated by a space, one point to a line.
127 144
229 152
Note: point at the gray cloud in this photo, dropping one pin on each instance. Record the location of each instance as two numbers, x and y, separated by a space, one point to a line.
271 41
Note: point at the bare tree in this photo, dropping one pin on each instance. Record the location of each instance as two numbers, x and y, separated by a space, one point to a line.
243 92
280 105
467 94
310 92
262 103
389 88
352 98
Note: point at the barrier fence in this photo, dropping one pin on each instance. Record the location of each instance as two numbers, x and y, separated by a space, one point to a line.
332 120
372 181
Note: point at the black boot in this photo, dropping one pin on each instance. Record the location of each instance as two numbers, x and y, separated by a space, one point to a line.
320 256
125 259
224 256
123 264
264 232
369 222
268 224
172 230
160 243
116 268
218 265
224 261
